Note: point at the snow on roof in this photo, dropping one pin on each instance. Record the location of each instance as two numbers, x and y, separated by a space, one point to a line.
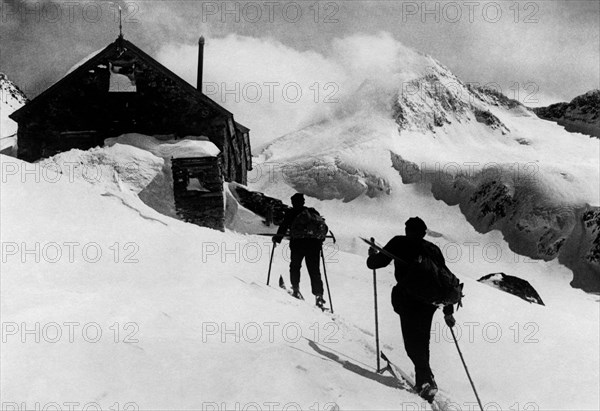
188 147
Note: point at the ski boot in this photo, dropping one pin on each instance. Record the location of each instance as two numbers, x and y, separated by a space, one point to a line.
427 391
296 293
320 301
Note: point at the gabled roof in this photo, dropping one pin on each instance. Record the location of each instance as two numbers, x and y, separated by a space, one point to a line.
119 43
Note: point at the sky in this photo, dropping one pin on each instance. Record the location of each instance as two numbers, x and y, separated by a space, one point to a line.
537 52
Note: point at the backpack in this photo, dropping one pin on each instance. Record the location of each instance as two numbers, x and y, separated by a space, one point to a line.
309 224
427 278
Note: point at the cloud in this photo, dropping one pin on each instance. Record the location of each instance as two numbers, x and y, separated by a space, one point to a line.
275 89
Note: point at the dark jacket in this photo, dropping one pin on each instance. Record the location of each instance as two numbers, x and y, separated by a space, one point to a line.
288 220
408 249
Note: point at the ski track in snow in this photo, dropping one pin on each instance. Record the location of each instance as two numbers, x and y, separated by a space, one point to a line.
122 200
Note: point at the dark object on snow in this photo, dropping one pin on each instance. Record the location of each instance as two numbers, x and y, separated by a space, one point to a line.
298 198
513 285
260 204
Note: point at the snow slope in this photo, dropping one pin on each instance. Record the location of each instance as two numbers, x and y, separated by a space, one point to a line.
204 331
198 328
174 291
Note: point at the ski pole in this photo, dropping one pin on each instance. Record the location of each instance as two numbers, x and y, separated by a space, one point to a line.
376 316
326 281
271 262
466 369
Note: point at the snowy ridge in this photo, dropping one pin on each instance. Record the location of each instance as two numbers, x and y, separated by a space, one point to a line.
11 99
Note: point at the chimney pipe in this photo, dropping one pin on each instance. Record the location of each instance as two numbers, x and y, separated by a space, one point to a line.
200 62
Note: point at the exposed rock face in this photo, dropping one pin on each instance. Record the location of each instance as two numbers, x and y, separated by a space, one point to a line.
513 285
327 180
494 97
11 99
259 203
501 199
425 104
490 120
581 115
581 251
439 98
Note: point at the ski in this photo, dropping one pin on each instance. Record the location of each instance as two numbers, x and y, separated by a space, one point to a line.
289 291
298 297
322 308
438 402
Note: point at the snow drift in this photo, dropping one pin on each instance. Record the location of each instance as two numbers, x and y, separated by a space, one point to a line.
133 162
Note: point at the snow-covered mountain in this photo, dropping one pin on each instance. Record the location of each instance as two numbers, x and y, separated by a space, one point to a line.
108 303
506 169
581 115
11 99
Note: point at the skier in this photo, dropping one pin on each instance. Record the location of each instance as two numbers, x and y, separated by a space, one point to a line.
302 246
415 315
